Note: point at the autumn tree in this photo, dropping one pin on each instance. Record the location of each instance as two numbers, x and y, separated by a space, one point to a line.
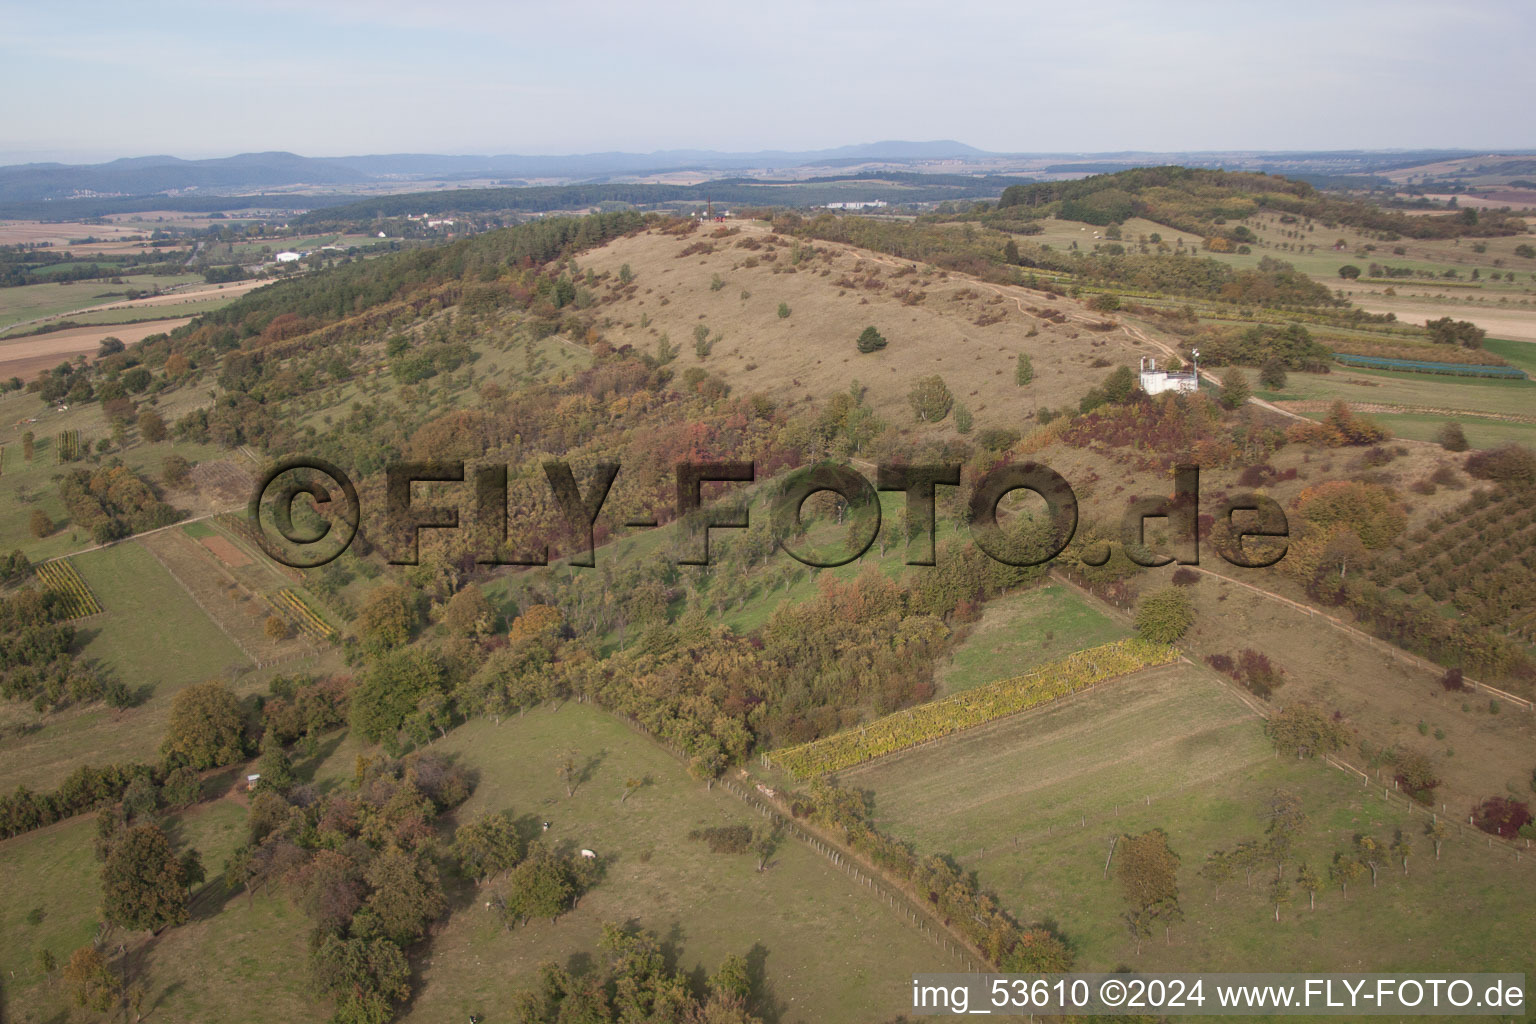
92 985
143 883
469 612
207 727
1164 615
387 618
1402 848
39 523
1217 869
487 846
1246 856
1272 374
1437 831
964 421
193 873
407 894
1286 820
364 975
1147 870
1308 882
1306 730
151 426
390 691
540 886
1279 894
568 771
1368 853
930 399
1235 388
330 889
1452 438
1345 869
765 841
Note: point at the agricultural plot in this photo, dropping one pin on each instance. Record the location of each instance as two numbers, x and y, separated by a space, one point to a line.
239 614
55 871
1479 559
1418 391
298 611
971 708
1021 631
1032 803
61 578
152 636
802 920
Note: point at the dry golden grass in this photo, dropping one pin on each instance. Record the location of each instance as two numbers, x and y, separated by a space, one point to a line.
811 354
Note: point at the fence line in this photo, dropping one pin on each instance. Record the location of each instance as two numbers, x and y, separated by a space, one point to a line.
855 867
1392 649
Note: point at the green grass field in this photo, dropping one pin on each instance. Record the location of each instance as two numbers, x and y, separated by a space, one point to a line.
1021 631
154 638
1516 353
1174 750
35 301
27 486
55 870
137 314
1480 433
814 928
1422 389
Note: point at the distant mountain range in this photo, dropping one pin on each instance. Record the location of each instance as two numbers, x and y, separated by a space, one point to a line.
154 175
278 180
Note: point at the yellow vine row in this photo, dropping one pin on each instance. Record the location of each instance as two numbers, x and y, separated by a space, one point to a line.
970 708
61 578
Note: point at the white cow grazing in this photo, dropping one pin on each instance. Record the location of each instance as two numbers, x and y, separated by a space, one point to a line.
589 855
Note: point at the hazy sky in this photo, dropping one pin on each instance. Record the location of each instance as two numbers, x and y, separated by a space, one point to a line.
94 80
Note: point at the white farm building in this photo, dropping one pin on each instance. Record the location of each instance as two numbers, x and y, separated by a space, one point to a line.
1155 381
287 257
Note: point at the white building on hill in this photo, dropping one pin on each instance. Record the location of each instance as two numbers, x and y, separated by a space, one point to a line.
1155 381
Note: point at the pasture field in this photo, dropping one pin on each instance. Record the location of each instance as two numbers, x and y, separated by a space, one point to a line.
239 614
1500 306
1173 751
27 486
1476 751
807 924
1481 433
1024 630
154 638
1516 353
1392 387
266 966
